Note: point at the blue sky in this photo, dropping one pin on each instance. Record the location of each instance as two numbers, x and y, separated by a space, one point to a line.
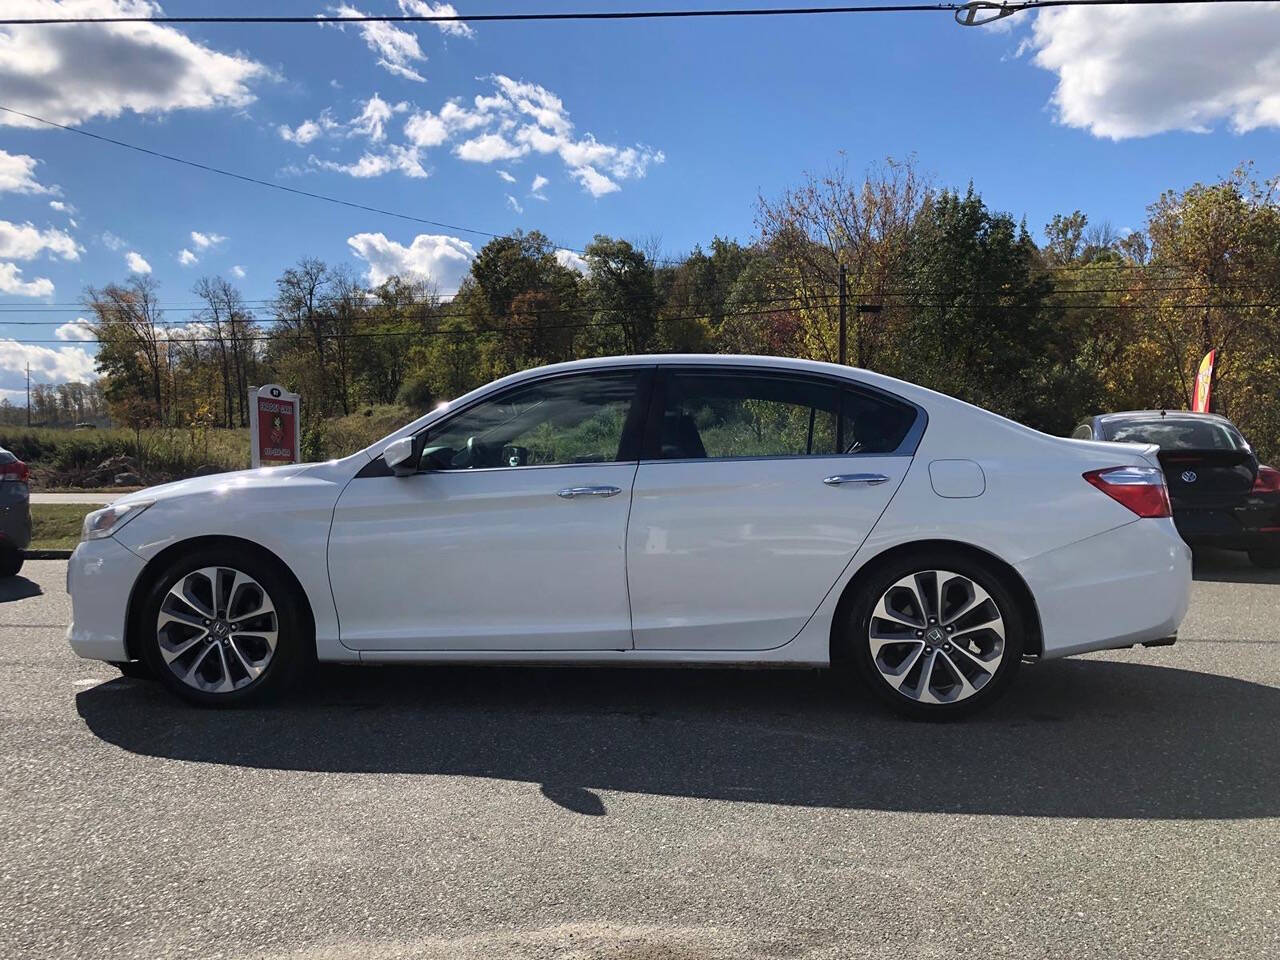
658 129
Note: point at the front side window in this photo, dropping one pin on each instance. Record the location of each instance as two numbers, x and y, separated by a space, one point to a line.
722 415
568 420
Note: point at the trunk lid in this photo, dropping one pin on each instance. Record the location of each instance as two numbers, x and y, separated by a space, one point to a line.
1208 478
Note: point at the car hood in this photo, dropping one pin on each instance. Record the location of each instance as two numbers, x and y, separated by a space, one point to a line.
234 480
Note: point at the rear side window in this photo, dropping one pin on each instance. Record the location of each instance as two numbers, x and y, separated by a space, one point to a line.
708 415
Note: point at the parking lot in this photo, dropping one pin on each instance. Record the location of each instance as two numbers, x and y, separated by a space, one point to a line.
1125 804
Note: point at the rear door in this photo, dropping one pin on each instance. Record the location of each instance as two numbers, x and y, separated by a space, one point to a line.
755 490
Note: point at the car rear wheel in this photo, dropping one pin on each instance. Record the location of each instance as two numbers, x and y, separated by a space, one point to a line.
1266 557
224 627
10 560
936 636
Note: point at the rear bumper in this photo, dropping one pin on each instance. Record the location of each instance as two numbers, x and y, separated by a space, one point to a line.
1128 585
100 579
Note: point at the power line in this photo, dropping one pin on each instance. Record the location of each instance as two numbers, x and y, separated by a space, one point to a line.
1005 9
255 180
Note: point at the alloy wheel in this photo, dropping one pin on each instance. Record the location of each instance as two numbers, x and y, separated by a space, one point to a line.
936 637
217 629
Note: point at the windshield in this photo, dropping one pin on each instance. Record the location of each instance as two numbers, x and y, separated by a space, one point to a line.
1177 433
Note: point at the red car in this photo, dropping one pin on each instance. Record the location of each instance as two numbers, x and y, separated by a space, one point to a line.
1221 496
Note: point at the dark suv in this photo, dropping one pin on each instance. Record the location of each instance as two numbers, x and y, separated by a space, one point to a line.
1221 495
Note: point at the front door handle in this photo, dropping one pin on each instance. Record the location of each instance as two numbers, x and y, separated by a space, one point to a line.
869 479
569 493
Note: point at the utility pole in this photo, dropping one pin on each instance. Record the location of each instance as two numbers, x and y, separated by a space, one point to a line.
844 297
28 394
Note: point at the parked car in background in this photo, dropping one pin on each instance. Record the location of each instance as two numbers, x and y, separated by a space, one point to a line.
669 510
15 513
1221 495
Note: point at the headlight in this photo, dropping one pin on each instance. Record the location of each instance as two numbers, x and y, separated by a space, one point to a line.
103 523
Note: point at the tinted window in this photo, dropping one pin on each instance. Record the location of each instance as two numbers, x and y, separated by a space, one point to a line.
1176 433
719 415
563 421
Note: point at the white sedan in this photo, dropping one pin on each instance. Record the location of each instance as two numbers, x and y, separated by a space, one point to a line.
651 510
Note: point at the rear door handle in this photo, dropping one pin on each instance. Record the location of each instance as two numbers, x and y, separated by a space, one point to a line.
868 479
569 493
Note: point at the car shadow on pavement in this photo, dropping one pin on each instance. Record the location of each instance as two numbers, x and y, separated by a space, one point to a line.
18 588
1074 738
1229 566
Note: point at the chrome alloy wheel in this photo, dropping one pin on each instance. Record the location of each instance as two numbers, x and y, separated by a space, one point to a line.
936 637
217 629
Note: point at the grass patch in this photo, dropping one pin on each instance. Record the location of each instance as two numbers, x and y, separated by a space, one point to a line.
56 526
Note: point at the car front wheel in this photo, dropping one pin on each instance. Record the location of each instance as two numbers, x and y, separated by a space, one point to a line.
224 627
936 637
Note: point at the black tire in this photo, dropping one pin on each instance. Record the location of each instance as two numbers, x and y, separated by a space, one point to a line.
11 559
1268 558
134 669
294 645
857 647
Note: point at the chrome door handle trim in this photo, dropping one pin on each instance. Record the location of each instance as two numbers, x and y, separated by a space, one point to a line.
569 493
870 479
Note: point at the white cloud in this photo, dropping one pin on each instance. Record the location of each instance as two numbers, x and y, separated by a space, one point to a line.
374 116
309 130
204 241
593 181
539 184
514 204
441 259
71 73
77 329
62 207
567 258
137 264
423 8
187 258
112 242
405 159
18 170
11 282
506 177
397 48
237 271
523 118
1133 72
489 147
26 241
57 364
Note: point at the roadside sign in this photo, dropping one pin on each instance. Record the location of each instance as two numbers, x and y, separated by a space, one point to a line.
274 434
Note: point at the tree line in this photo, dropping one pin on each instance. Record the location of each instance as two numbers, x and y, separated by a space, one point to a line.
942 291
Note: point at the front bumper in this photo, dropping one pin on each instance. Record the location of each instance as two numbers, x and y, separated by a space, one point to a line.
100 579
1128 585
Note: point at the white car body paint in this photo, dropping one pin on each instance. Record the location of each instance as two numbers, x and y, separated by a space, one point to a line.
717 575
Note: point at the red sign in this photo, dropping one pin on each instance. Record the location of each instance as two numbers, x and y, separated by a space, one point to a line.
277 429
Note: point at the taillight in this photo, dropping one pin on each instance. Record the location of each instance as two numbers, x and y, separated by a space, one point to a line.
1141 489
15 472
1268 480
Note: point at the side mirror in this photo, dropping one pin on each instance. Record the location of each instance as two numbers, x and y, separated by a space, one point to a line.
399 456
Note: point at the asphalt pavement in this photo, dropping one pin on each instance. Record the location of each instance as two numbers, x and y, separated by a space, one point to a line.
1114 805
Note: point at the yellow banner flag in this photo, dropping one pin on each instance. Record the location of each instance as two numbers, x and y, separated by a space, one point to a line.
1204 382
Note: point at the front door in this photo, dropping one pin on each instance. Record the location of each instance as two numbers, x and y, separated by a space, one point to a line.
754 493
511 536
